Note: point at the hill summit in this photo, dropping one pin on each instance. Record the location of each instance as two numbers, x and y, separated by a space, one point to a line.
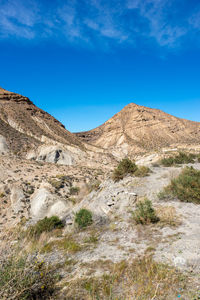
139 129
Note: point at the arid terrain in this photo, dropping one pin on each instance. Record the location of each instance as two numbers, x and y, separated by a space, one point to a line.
119 249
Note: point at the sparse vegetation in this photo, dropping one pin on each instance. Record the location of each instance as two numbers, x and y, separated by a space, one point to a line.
91 239
94 186
142 171
186 187
145 213
83 218
141 279
45 225
56 183
126 166
181 158
167 216
74 190
67 244
22 278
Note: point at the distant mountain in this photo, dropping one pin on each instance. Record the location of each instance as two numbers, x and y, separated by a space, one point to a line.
139 129
24 125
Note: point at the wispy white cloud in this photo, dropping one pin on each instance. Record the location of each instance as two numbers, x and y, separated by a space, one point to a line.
99 22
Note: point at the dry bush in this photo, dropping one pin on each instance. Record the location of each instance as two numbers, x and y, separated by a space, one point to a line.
168 216
142 171
23 278
145 213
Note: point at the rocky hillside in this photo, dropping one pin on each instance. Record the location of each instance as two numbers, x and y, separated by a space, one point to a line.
138 129
24 125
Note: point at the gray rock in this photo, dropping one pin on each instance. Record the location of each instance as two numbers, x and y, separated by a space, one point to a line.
3 145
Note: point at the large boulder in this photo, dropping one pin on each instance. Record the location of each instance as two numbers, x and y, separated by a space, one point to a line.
46 204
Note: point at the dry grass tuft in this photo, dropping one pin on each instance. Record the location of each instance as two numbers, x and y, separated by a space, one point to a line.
142 279
168 216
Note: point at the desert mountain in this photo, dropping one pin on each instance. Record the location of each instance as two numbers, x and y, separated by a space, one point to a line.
24 125
138 129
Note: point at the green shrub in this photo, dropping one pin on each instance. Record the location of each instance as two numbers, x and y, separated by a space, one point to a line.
23 279
142 171
45 225
145 213
74 190
126 166
181 158
83 218
167 162
186 187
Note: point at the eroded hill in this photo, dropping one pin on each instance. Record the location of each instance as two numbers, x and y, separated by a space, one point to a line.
138 129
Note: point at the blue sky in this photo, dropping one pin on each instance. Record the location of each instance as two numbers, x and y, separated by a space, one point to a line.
83 61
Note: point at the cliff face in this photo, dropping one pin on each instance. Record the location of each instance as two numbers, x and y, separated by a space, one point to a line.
23 124
137 129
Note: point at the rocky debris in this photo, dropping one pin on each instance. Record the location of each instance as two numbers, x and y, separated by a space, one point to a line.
109 200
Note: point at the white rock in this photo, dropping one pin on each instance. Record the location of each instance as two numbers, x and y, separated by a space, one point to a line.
17 198
44 204
179 261
52 154
3 145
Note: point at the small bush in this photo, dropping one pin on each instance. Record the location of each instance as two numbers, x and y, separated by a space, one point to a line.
57 184
23 279
145 213
46 225
186 187
74 190
181 158
168 216
83 218
126 166
142 171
